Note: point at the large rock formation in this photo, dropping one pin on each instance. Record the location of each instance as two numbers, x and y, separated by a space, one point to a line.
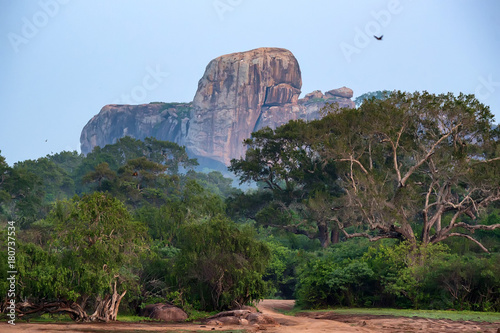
164 121
231 95
238 94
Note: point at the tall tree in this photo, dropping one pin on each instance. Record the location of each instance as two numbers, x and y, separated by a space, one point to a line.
169 154
101 173
21 194
221 264
284 161
67 160
56 182
418 167
141 180
93 253
379 94
4 194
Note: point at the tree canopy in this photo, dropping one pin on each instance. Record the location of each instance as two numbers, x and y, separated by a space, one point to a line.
418 167
224 264
92 248
284 161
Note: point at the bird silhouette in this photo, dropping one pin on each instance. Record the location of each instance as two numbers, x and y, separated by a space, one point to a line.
378 38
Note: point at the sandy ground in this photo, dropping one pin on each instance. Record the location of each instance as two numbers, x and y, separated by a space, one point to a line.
307 322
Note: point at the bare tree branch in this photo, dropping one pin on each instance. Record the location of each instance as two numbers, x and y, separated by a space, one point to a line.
370 237
477 226
487 161
457 234
429 154
351 159
395 146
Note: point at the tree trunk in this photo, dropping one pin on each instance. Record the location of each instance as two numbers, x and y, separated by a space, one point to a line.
73 309
335 235
106 310
406 232
323 235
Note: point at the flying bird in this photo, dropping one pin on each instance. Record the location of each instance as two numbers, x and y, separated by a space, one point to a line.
378 38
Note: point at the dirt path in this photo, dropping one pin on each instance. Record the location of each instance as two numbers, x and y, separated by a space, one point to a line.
119 327
291 324
306 322
392 324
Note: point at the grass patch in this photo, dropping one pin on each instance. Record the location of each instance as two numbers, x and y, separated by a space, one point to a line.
196 316
45 318
134 319
490 317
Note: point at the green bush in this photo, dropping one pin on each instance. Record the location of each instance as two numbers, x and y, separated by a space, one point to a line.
219 265
401 275
280 271
338 277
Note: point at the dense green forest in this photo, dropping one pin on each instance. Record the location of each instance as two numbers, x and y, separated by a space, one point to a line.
393 204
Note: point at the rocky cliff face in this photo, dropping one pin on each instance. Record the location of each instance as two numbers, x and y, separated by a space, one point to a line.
307 108
231 95
239 93
164 121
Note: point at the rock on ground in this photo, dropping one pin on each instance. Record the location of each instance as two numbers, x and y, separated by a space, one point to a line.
165 312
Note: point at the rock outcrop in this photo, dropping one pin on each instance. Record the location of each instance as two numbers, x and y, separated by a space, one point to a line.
231 95
238 94
164 121
307 108
241 317
164 312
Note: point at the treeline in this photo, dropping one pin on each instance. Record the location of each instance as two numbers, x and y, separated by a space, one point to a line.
393 204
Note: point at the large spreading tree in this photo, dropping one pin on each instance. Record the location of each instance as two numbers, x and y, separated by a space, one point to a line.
418 167
284 162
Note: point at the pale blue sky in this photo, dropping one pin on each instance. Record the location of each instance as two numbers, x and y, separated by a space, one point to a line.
62 60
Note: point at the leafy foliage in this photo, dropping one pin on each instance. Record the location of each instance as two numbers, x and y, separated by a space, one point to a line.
414 158
171 156
379 94
427 277
165 222
56 182
93 244
419 169
283 160
21 195
220 265
281 271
